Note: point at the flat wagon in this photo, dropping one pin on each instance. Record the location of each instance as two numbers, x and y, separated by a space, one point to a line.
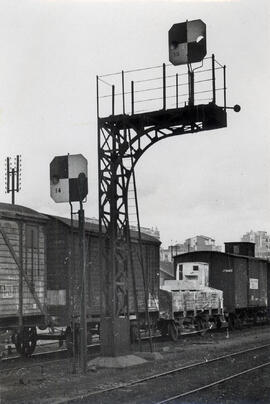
64 278
242 278
22 274
188 304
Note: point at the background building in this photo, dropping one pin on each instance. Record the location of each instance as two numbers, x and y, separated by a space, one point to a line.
165 254
197 243
201 243
262 243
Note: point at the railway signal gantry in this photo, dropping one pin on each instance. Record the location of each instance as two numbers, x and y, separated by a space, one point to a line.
179 102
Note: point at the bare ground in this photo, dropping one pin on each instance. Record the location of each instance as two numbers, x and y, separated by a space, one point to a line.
55 382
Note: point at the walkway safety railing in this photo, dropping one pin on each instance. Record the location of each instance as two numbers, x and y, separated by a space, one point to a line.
161 87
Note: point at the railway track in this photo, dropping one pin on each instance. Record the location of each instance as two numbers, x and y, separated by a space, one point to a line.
216 383
48 356
41 358
155 384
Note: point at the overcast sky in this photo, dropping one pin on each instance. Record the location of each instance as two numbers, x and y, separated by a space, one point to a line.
215 183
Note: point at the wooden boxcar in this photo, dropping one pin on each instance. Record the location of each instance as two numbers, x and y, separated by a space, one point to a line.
63 274
243 280
22 274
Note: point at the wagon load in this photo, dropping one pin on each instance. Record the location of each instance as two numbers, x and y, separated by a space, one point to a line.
184 301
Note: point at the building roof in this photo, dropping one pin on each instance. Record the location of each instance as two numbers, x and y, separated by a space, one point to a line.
20 212
200 235
94 228
239 242
221 253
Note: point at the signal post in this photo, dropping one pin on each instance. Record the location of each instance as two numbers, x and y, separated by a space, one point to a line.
68 183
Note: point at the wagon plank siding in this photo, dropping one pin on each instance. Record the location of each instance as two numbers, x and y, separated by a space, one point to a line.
64 272
14 222
9 292
240 267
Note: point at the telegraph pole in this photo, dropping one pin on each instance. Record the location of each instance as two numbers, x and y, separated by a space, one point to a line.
13 176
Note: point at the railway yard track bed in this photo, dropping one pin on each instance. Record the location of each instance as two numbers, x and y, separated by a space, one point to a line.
54 382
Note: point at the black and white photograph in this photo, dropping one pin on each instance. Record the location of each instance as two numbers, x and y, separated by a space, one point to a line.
134 201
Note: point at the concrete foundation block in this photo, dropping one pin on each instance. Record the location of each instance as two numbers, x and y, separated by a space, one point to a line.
116 362
150 356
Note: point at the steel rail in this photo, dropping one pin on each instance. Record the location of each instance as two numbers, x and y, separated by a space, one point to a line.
96 345
37 355
93 345
225 379
158 375
64 350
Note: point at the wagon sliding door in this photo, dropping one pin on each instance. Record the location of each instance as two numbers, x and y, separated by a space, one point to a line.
22 267
33 264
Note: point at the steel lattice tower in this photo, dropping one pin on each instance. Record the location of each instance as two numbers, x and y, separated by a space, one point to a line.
122 140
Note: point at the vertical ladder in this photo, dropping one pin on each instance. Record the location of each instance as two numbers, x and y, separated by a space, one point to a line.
133 212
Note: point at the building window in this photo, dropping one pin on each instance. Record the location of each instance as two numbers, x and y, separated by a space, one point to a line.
195 268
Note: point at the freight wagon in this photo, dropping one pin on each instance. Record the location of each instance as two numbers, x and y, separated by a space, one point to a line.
22 274
40 277
63 277
243 279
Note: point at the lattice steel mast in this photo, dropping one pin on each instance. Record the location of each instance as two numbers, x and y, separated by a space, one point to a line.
123 138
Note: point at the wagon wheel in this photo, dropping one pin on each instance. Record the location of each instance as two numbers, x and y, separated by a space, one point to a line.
202 326
218 323
198 324
25 341
164 330
134 333
173 331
